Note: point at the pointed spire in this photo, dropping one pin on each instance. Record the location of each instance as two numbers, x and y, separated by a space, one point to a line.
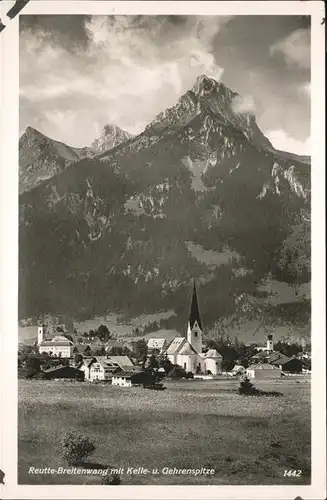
194 312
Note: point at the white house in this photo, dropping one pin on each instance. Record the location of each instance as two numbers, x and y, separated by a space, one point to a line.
262 371
59 345
123 380
155 344
127 379
187 351
238 370
103 367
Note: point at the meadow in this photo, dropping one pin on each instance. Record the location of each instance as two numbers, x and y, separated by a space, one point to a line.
192 424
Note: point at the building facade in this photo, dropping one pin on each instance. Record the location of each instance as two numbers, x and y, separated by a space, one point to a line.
59 346
187 351
103 367
263 371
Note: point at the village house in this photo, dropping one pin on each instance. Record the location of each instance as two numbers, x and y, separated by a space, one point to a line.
64 372
275 358
58 346
127 379
187 352
238 370
156 346
287 364
103 367
263 371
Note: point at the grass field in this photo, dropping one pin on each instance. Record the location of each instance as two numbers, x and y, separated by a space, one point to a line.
193 424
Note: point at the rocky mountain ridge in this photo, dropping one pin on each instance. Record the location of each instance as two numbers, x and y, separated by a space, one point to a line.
117 228
41 158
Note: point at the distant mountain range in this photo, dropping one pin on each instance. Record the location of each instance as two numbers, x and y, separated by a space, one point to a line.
126 225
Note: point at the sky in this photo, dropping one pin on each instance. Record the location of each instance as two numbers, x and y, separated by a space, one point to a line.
78 73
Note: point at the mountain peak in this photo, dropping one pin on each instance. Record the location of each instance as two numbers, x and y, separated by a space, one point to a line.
209 97
111 136
32 132
204 83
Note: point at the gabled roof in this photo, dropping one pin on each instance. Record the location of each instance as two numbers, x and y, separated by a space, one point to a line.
129 374
51 343
59 338
187 349
176 345
156 343
194 311
61 367
121 360
260 355
132 369
239 368
112 361
278 358
212 353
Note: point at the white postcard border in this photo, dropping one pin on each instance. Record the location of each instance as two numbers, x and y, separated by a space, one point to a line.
9 87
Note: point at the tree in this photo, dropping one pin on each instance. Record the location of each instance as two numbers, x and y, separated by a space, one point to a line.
141 351
59 329
247 388
88 351
101 351
165 363
153 363
78 358
32 367
103 333
294 264
24 352
288 349
33 363
227 365
177 372
76 448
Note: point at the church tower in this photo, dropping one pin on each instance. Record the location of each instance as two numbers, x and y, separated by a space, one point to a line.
194 327
270 343
40 334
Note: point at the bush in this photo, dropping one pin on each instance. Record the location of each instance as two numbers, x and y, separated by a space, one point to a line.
246 388
76 448
189 375
177 372
111 479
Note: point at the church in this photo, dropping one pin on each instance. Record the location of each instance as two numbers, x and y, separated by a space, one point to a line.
187 351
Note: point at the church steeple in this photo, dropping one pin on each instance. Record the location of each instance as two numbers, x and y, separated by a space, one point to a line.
194 327
194 311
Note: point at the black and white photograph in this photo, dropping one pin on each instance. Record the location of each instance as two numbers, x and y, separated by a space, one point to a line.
165 302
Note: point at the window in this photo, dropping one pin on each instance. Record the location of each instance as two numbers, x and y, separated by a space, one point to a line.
196 335
184 366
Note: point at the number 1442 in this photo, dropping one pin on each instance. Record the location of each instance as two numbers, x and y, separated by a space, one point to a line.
292 473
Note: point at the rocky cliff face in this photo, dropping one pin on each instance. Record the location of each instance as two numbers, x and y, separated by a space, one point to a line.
116 232
41 158
110 137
